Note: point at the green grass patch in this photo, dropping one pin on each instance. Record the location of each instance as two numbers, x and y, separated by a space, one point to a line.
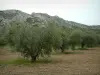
16 61
22 61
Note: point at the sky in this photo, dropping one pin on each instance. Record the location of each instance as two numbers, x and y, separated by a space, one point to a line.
81 11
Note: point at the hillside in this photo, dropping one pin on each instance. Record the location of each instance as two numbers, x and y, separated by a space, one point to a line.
7 16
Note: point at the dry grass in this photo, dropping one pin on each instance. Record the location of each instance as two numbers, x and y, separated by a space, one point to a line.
85 63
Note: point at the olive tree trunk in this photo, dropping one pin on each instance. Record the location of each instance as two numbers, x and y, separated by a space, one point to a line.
33 58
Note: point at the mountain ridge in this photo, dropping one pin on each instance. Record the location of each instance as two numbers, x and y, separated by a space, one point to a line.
17 15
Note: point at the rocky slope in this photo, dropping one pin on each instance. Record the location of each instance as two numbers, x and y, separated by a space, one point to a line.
7 16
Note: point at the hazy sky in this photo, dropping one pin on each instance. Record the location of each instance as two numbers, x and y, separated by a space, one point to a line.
82 11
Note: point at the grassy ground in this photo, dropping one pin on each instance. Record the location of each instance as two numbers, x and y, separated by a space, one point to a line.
83 62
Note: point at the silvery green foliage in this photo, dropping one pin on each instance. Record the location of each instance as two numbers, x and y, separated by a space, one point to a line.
34 41
3 31
52 30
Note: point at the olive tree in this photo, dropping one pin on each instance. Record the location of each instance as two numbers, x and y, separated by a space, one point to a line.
64 45
75 38
3 31
51 37
89 40
34 41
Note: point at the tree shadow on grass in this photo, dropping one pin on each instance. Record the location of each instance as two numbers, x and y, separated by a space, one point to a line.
73 52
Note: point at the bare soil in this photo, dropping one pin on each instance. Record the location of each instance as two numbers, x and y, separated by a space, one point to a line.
85 63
